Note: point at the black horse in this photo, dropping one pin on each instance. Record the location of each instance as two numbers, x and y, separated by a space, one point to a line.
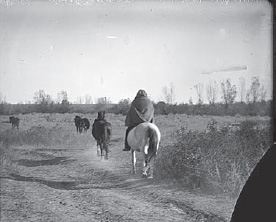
77 120
14 121
81 124
102 131
85 124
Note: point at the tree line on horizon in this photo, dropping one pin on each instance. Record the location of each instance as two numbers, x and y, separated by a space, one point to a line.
251 101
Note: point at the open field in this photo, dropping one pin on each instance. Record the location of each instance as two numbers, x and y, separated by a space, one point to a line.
49 173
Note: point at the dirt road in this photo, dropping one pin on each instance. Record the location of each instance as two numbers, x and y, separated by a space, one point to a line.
73 184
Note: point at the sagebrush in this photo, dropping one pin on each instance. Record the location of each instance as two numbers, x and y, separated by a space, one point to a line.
216 160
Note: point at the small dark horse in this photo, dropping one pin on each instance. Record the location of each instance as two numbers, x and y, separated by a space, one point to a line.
77 120
102 131
81 124
14 121
85 124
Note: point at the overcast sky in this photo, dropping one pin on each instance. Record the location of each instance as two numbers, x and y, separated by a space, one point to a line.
114 49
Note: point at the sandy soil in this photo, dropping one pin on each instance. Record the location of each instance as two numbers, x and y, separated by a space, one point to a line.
72 183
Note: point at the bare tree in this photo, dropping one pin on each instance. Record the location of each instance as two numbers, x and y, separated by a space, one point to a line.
211 91
255 89
199 92
40 97
103 100
43 101
191 101
242 89
169 93
88 99
248 96
263 94
2 98
79 100
229 92
62 96
102 103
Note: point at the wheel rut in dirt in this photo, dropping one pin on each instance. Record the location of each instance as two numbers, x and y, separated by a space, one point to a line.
117 182
106 181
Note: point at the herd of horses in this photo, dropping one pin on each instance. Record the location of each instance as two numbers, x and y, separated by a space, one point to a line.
144 138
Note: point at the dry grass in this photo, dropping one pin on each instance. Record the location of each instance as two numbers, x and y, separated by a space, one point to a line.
197 160
215 159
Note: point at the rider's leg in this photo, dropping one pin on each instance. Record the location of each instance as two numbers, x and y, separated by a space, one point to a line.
127 147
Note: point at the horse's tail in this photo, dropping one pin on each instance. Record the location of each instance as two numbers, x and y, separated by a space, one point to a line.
153 143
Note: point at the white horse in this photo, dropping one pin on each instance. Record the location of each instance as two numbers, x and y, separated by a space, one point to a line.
144 138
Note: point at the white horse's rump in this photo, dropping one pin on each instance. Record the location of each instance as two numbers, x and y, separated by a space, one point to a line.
144 138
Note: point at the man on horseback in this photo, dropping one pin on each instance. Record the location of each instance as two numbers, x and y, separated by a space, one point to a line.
141 110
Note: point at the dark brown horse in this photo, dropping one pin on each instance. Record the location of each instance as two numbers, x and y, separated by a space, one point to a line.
102 131
14 121
77 121
85 124
81 124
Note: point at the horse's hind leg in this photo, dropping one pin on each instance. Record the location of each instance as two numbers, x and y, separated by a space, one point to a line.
106 155
146 166
151 167
98 149
102 150
133 154
106 151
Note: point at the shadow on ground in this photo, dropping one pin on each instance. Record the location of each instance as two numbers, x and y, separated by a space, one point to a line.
97 183
35 163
